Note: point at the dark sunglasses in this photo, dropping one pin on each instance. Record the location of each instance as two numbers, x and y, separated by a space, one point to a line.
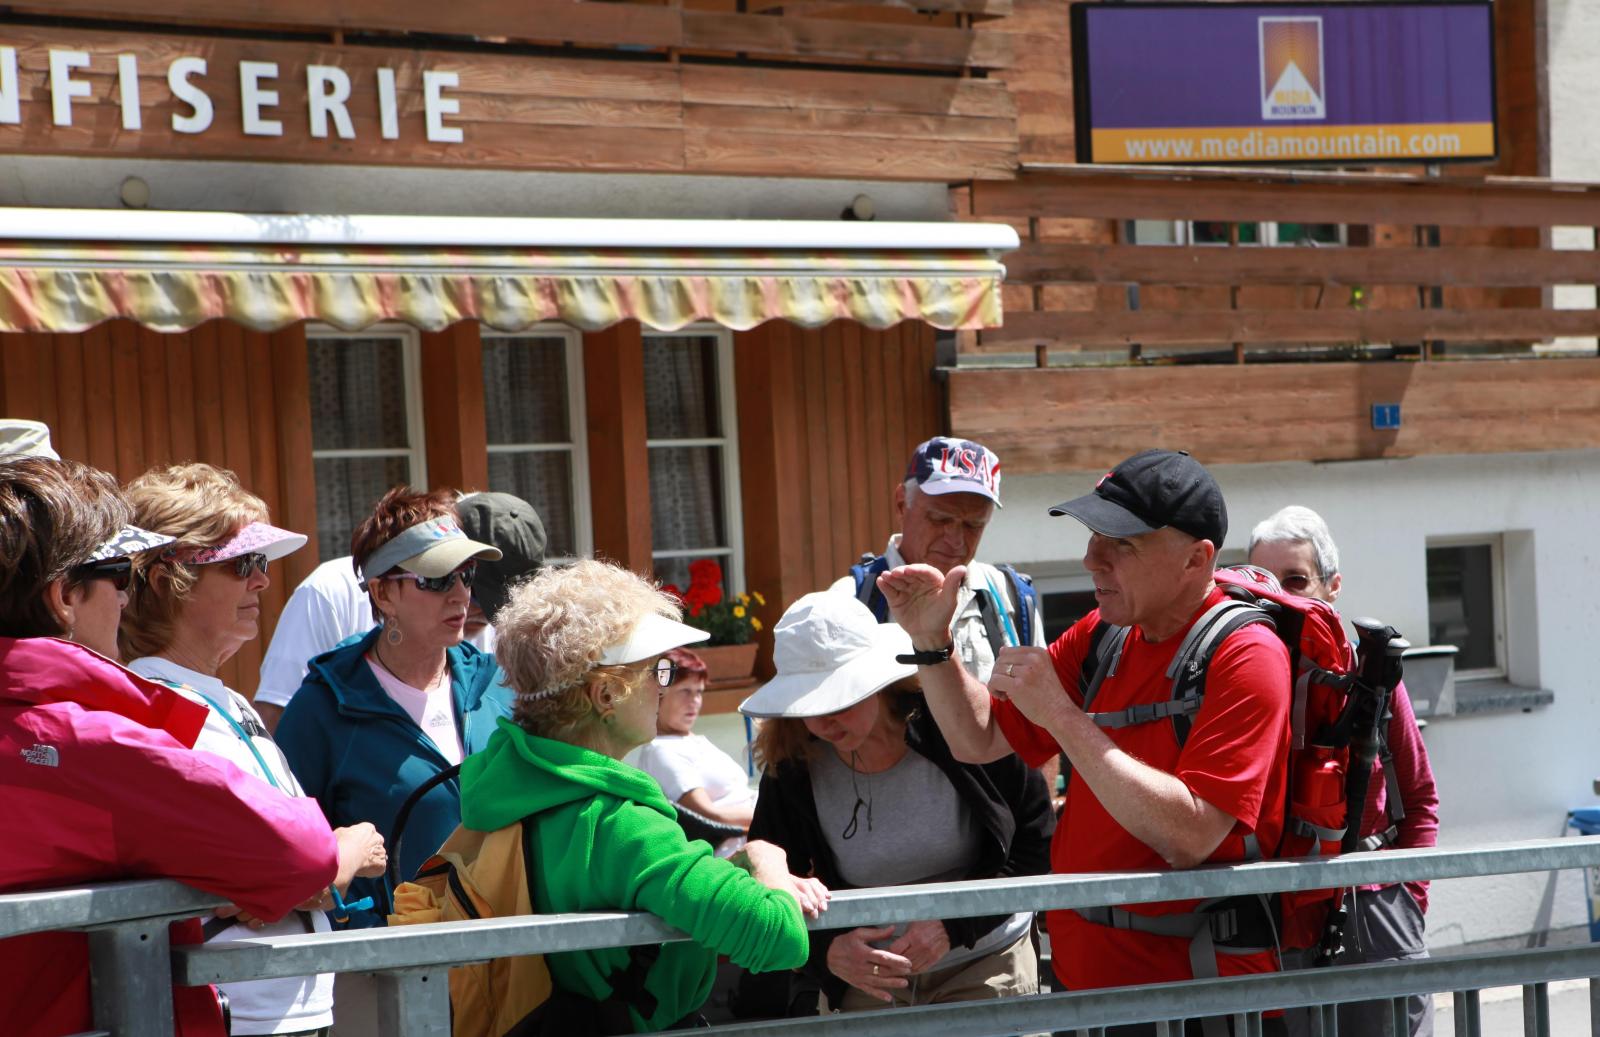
118 570
242 564
440 584
666 672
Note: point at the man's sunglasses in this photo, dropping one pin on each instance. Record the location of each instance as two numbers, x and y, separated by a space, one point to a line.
440 584
118 570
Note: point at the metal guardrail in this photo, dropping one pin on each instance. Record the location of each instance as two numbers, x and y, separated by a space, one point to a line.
132 966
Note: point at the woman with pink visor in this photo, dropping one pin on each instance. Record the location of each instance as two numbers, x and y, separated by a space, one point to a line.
192 606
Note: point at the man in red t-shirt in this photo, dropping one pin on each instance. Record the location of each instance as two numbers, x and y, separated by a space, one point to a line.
1136 800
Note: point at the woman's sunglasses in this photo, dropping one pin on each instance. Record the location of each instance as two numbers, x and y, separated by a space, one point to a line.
440 584
242 564
118 570
665 672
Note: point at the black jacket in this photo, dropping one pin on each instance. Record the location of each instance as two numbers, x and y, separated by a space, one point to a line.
1007 798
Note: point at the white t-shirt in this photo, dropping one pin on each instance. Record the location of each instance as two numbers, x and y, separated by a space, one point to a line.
328 606
432 708
268 1005
681 763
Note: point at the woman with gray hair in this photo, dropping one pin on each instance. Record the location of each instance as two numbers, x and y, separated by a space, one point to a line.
583 647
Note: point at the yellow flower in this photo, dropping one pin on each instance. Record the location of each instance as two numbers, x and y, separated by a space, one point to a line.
755 624
759 600
738 612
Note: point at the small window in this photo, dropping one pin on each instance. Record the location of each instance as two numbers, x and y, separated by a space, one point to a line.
1062 609
533 409
366 426
1216 232
694 463
1466 605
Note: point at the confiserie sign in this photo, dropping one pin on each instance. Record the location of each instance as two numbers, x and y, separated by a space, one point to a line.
1284 83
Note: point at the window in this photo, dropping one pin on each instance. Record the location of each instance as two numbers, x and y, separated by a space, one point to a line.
533 410
1466 604
694 462
1216 232
366 426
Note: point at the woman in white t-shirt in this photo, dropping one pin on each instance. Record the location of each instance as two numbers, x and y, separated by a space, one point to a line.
192 606
691 770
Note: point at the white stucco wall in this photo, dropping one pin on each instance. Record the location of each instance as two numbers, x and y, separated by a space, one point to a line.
1573 63
1503 776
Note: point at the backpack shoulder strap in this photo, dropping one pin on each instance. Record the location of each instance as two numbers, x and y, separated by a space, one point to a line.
403 815
1193 659
1100 661
1026 600
866 573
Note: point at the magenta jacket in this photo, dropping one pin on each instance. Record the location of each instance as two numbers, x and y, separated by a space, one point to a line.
99 782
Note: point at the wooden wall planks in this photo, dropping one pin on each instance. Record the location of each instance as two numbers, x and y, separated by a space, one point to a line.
827 419
1088 418
126 399
519 111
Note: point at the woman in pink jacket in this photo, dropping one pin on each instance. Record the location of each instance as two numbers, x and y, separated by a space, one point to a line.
96 767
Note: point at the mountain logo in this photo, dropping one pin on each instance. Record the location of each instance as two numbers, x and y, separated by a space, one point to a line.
1292 85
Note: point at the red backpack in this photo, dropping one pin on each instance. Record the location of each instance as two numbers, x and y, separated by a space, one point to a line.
1340 709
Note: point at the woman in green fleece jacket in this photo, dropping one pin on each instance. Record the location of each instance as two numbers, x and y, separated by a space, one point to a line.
581 647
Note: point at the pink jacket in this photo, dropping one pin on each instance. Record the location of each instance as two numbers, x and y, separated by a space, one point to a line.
100 782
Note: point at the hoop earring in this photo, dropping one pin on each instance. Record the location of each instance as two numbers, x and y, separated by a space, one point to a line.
391 631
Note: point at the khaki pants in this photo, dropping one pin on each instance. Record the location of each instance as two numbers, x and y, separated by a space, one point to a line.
1006 973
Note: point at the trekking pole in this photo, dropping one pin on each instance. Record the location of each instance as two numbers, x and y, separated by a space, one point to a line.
1379 648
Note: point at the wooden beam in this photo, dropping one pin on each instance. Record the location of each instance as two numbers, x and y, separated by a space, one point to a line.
594 25
1219 328
452 398
1098 193
1199 265
1088 418
619 462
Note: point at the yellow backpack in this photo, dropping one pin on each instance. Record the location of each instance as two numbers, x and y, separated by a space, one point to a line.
480 875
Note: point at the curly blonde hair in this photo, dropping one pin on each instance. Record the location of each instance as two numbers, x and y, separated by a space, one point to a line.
551 634
201 506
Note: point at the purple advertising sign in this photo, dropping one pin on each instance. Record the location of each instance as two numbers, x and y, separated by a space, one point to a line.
1284 83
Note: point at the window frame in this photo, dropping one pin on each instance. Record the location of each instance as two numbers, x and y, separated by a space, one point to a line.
1495 542
416 453
1183 235
578 433
732 556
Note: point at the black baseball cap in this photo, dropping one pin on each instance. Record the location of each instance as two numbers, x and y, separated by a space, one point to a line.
1149 491
511 524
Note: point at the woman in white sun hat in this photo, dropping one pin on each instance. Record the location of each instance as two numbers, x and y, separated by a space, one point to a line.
193 605
859 787
584 648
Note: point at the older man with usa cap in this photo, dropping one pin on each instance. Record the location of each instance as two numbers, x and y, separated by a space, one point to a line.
949 494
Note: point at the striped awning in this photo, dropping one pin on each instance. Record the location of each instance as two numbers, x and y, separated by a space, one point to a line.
68 270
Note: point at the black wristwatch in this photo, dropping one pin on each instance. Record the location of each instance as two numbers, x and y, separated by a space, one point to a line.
932 657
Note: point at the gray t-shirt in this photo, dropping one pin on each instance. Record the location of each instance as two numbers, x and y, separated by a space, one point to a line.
911 826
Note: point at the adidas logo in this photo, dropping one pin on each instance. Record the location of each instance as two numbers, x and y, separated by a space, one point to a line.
42 756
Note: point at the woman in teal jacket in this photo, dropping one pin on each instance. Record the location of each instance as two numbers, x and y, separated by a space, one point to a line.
582 646
379 715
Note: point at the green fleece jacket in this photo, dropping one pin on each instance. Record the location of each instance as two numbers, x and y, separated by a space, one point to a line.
606 839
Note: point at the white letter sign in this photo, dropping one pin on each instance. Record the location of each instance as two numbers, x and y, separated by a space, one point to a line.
327 89
178 74
435 106
253 98
63 88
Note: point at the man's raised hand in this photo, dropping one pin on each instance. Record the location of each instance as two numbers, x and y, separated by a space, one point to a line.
923 601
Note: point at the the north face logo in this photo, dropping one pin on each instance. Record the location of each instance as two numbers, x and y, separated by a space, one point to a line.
42 756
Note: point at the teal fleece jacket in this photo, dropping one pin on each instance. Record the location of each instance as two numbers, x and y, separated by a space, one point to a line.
355 750
606 839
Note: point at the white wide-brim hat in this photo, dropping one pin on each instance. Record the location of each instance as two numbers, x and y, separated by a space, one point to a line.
654 635
831 654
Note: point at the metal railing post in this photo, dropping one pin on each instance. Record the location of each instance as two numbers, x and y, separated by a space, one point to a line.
413 1002
1400 1017
1466 1013
130 978
1536 1010
1594 1006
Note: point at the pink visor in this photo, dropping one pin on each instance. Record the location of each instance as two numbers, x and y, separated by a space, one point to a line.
256 538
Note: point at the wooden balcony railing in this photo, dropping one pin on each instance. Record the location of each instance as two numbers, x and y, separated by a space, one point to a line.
1078 286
